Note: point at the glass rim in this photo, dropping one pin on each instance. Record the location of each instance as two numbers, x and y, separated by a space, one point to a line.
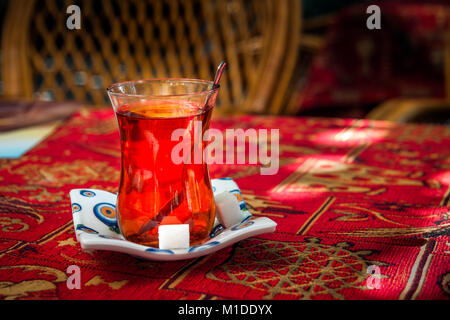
110 89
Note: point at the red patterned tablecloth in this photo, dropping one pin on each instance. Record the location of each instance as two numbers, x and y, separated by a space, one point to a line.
351 196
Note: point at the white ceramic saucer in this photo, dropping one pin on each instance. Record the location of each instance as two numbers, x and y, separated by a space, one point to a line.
94 218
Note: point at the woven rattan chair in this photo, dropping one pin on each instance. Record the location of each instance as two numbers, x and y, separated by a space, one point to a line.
125 40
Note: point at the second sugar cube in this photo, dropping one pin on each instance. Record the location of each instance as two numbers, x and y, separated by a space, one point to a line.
173 236
228 210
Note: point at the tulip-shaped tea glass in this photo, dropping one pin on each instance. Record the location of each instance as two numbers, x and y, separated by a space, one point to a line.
156 188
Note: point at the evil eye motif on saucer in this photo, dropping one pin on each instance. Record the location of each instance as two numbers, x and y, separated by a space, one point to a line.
204 246
86 229
106 213
87 193
108 237
238 196
242 225
150 249
76 207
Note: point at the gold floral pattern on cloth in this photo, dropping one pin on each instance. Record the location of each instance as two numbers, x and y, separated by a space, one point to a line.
8 224
115 285
332 176
303 269
104 127
13 290
60 174
442 229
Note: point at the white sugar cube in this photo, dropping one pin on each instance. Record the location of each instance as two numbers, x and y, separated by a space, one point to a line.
173 236
228 210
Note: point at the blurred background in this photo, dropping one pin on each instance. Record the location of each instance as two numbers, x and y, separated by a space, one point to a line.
290 57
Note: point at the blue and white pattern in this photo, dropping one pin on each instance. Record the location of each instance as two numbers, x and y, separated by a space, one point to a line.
87 193
246 223
83 228
108 237
204 246
95 222
228 185
106 212
76 207
155 250
238 195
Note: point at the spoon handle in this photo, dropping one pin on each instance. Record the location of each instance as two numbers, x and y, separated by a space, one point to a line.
219 73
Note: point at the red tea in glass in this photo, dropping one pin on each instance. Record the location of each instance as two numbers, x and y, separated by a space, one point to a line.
154 190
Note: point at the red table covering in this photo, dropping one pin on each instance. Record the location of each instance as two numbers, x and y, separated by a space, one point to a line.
351 197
